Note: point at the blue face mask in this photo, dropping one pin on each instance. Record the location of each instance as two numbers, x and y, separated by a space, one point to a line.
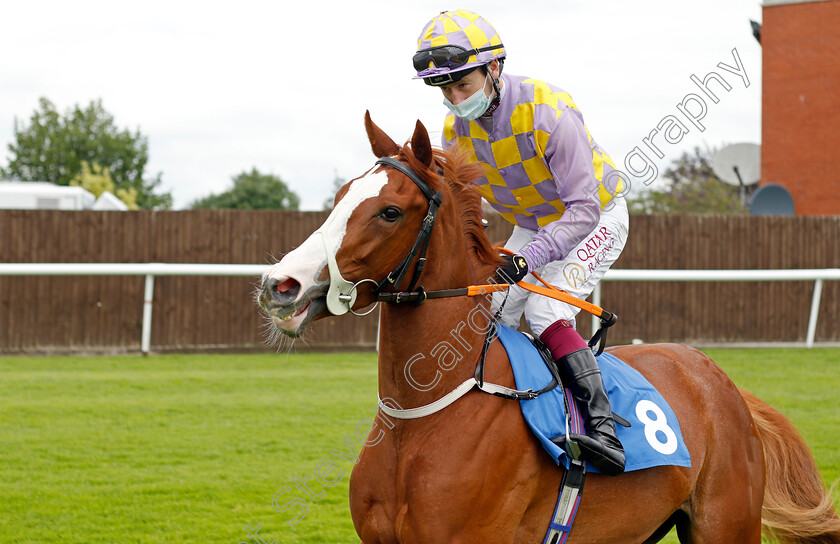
473 107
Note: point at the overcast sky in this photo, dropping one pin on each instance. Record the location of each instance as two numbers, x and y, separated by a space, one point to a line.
219 88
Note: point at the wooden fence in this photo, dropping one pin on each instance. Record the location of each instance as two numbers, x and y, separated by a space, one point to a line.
103 314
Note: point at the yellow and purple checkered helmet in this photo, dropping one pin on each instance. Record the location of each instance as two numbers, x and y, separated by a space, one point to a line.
453 44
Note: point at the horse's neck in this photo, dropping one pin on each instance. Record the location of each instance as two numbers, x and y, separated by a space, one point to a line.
427 351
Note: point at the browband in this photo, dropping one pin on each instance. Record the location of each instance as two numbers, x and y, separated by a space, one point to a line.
412 175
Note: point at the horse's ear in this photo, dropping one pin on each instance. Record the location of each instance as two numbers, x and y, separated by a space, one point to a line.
381 144
421 145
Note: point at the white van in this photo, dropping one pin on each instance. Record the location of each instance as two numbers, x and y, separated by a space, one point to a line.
40 195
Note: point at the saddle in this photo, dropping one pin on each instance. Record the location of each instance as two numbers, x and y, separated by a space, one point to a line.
648 440
647 426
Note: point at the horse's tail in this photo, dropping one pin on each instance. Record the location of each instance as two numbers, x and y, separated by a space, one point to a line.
797 508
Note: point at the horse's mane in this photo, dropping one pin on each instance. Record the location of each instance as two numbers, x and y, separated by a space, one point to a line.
458 172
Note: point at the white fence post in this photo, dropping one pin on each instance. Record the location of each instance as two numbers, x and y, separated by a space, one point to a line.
148 300
815 310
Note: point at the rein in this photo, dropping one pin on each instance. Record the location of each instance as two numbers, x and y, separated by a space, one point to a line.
418 296
421 245
608 319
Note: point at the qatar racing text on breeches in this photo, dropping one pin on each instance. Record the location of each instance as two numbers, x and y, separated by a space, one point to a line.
577 273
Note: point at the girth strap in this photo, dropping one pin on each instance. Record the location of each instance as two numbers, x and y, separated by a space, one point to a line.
571 487
568 500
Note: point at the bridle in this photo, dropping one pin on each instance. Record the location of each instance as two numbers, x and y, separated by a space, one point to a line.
342 293
421 245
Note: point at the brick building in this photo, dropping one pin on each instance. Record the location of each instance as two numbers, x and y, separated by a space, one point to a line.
800 131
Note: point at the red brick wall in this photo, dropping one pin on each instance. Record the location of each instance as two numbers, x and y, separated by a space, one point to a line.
801 103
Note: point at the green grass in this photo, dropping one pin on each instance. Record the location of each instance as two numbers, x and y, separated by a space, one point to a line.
191 448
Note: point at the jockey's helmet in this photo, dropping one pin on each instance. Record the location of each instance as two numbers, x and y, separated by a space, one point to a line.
453 44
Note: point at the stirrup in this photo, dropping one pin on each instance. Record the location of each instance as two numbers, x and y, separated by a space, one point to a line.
607 460
585 448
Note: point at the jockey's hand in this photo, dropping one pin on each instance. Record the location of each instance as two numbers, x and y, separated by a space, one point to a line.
514 270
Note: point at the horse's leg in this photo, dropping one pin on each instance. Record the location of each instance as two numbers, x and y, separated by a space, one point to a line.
726 478
372 492
706 531
725 506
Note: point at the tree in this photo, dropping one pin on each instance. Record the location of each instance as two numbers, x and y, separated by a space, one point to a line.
692 188
97 180
338 182
52 148
252 191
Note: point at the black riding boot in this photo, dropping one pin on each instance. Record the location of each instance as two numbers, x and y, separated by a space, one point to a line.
600 447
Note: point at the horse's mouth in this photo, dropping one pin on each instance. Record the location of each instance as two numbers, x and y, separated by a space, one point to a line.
291 315
293 319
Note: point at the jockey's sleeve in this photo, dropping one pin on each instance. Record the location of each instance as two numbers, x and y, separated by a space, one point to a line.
569 157
444 143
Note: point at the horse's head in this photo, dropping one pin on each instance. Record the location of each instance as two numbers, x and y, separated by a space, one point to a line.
375 222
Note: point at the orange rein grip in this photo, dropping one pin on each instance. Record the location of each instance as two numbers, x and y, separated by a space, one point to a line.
476 290
557 294
548 291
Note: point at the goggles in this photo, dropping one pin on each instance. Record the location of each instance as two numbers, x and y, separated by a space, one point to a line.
447 56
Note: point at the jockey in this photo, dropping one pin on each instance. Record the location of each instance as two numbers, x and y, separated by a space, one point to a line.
544 173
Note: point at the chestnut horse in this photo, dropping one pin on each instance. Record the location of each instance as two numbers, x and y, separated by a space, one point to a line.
473 472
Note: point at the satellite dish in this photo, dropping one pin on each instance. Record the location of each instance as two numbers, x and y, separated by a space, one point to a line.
738 164
771 199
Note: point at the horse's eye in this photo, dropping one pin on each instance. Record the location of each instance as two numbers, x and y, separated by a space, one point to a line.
390 214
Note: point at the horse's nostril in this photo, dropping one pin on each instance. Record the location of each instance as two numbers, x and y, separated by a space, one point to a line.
285 286
279 292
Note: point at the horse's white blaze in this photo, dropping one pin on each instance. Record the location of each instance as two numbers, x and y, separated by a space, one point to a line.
306 262
335 227
303 264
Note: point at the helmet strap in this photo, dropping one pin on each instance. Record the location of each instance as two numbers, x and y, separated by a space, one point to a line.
498 93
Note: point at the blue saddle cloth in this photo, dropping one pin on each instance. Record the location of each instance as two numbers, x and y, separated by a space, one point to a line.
653 438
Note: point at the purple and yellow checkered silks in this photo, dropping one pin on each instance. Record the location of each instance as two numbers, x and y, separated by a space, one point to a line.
518 156
463 28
